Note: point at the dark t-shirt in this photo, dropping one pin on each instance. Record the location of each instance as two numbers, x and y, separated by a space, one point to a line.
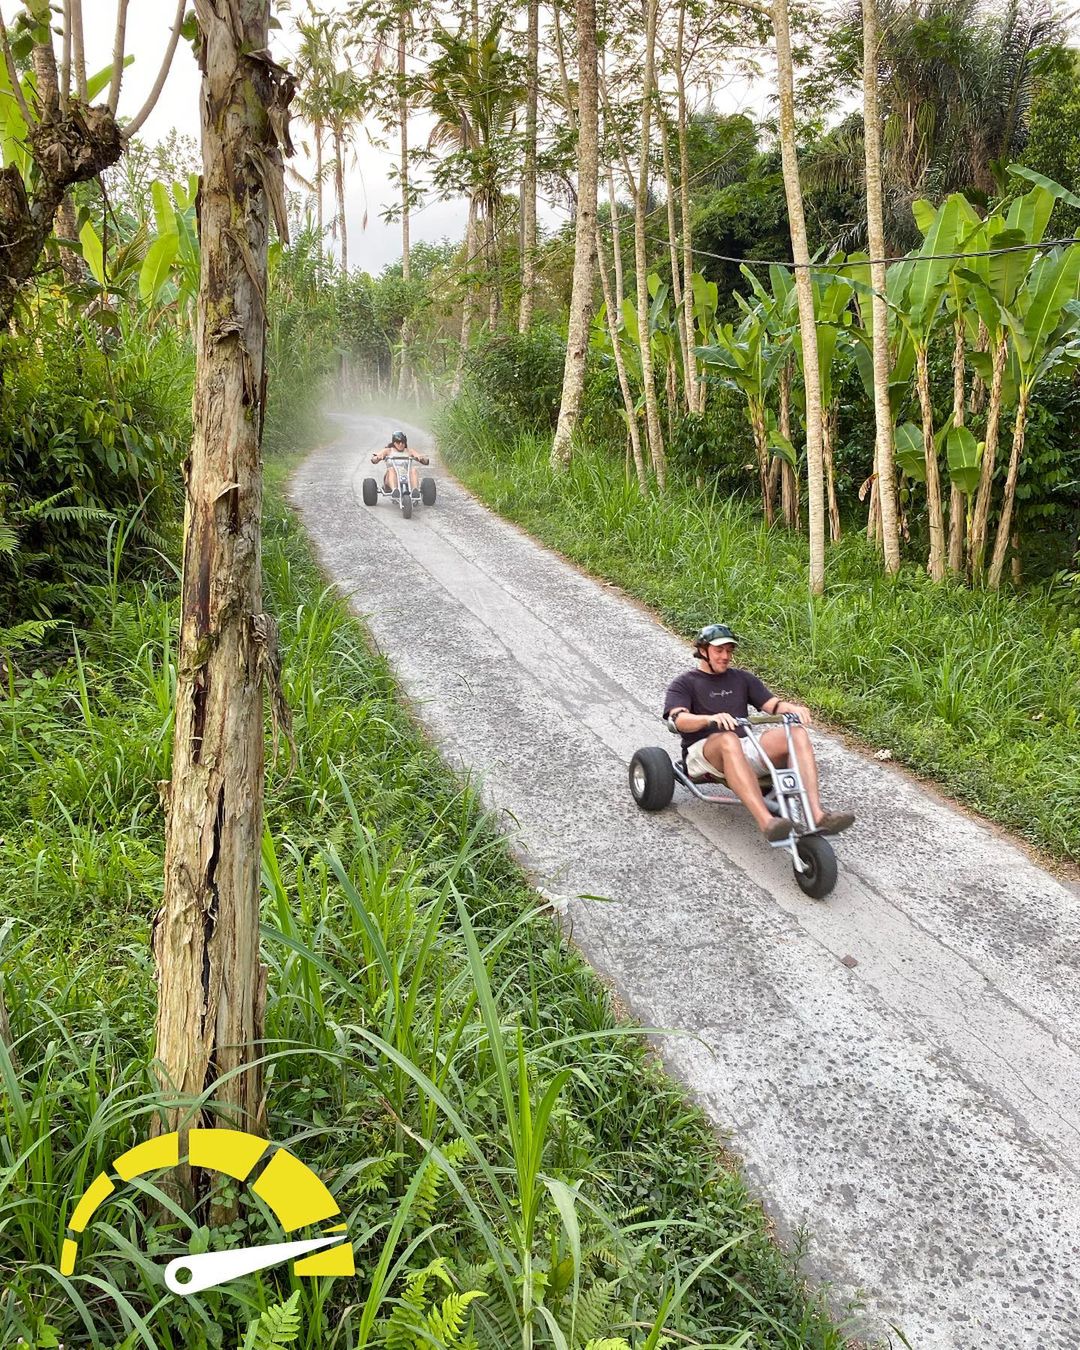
702 692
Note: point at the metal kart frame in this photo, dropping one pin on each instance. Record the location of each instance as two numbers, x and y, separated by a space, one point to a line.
402 465
786 797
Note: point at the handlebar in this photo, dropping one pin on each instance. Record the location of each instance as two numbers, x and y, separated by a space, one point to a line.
756 720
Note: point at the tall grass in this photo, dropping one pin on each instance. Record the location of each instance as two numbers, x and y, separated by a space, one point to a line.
980 691
513 1169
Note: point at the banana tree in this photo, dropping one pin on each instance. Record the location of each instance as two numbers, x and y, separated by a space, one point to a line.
1045 332
170 270
745 360
927 283
779 308
995 279
833 294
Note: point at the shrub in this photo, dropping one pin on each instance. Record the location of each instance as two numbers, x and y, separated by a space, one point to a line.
521 375
91 432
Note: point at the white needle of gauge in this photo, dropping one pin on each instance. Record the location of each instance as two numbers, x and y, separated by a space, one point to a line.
210 1268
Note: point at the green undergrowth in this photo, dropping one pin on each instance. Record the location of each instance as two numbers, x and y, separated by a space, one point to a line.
978 691
514 1168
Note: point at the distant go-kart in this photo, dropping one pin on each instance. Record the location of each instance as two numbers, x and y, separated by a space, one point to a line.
405 496
654 773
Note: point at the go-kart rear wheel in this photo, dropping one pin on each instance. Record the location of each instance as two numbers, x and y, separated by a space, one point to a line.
406 503
427 491
652 778
371 492
820 862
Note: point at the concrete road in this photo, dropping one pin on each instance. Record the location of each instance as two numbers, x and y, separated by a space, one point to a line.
898 1066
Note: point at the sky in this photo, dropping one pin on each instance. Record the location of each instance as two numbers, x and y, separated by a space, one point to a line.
368 190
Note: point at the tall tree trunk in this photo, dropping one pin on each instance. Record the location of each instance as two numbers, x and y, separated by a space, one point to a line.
676 281
800 253
528 174
577 340
319 184
616 239
48 101
612 311
884 456
211 985
652 413
491 249
468 301
935 522
405 366
957 500
980 519
694 385
1008 500
339 188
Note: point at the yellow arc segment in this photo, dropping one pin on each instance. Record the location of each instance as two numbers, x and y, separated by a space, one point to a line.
136 1162
294 1192
67 1257
230 1151
100 1189
332 1261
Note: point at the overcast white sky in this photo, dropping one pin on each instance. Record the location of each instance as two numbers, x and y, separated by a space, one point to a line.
368 189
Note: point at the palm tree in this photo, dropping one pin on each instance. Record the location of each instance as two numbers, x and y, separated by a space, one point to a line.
474 87
314 70
954 86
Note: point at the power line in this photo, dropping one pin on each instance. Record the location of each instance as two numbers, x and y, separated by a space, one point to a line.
866 262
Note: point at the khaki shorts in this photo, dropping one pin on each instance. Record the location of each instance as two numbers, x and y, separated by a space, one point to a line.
697 766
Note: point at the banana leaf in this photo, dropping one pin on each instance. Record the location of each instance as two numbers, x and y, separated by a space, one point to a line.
964 458
908 448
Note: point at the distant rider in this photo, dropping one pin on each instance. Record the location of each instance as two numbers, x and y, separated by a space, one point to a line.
399 445
703 704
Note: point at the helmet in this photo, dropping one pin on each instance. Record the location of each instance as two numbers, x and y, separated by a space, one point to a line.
399 436
715 635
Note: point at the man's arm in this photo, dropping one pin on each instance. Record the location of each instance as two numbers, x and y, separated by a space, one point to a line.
774 706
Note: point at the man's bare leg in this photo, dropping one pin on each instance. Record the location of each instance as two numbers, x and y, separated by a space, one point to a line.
774 743
725 753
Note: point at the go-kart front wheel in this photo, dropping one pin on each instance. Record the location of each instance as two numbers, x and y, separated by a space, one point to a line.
819 860
652 778
406 503
371 492
427 491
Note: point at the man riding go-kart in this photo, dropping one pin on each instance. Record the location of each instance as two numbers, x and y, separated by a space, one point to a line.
705 705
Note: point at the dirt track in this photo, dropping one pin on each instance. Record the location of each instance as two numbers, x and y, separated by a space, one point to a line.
899 1067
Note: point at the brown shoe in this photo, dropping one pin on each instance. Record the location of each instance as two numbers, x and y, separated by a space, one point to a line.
832 822
777 829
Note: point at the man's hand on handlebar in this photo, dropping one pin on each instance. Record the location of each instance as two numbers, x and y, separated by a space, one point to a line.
803 714
724 722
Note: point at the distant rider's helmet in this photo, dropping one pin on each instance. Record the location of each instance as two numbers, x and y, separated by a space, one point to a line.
714 635
399 438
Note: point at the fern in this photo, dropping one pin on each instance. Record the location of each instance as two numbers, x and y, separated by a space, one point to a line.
447 1323
594 1309
278 1327
427 1195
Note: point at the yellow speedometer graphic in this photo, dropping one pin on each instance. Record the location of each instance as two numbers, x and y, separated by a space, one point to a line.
288 1187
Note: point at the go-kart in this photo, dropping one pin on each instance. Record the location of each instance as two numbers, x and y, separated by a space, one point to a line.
654 773
403 494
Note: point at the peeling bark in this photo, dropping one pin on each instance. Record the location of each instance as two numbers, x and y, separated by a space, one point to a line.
935 521
1008 501
206 941
981 516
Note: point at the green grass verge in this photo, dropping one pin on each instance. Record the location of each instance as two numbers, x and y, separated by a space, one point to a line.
978 691
438 1052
